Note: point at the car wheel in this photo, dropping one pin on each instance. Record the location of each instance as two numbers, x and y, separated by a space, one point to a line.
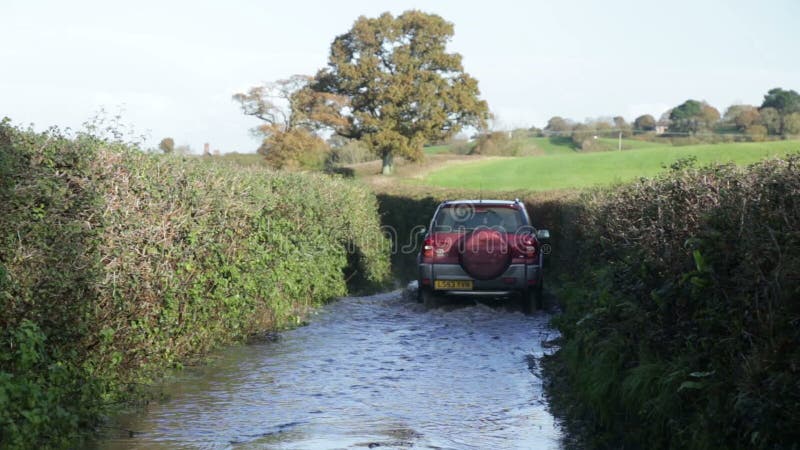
429 298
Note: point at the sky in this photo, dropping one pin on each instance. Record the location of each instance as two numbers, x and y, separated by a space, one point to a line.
169 68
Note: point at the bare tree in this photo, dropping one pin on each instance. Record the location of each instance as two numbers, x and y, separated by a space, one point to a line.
293 115
288 104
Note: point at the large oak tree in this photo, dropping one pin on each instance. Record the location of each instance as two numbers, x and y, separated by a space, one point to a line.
404 88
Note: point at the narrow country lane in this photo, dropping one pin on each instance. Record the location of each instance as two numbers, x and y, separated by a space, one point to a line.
367 372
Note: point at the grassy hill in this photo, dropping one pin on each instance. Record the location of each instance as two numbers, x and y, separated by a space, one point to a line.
568 169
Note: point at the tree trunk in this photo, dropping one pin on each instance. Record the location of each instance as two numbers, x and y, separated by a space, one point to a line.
388 164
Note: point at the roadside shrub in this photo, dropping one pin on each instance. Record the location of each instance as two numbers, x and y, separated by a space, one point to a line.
492 143
499 143
688 336
583 138
295 149
116 265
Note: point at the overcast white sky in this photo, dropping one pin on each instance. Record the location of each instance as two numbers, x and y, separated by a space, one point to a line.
173 65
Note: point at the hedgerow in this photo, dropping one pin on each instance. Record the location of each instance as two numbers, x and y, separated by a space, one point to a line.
681 321
116 265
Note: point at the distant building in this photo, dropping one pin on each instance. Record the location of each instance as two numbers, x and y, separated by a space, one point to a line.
662 126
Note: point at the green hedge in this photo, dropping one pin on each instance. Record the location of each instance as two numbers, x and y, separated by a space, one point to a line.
682 325
116 265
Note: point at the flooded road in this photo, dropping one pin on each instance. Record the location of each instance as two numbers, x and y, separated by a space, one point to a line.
367 372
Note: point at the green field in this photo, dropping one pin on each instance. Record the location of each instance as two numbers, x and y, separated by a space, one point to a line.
563 145
571 170
552 146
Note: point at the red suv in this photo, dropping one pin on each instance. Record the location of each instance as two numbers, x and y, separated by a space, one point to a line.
482 247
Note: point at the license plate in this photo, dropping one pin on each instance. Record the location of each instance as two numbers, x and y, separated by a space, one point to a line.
462 285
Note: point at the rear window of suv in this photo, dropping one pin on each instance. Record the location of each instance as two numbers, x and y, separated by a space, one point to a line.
468 217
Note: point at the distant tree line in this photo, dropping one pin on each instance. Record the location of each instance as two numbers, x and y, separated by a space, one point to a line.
390 87
778 116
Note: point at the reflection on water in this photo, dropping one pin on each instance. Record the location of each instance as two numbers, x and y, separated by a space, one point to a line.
379 371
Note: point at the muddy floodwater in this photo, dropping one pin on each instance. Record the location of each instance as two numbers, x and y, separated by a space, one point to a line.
367 372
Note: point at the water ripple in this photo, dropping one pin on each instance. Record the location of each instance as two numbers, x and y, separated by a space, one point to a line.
378 371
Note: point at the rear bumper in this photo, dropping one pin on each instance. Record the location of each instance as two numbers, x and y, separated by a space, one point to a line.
517 277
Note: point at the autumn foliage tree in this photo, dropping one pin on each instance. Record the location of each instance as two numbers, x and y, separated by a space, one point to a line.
295 149
404 88
645 122
740 117
167 145
293 115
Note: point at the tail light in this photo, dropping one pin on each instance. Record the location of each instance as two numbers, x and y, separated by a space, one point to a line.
441 248
427 248
527 246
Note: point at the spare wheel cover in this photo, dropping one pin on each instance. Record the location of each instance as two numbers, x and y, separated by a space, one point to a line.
485 254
